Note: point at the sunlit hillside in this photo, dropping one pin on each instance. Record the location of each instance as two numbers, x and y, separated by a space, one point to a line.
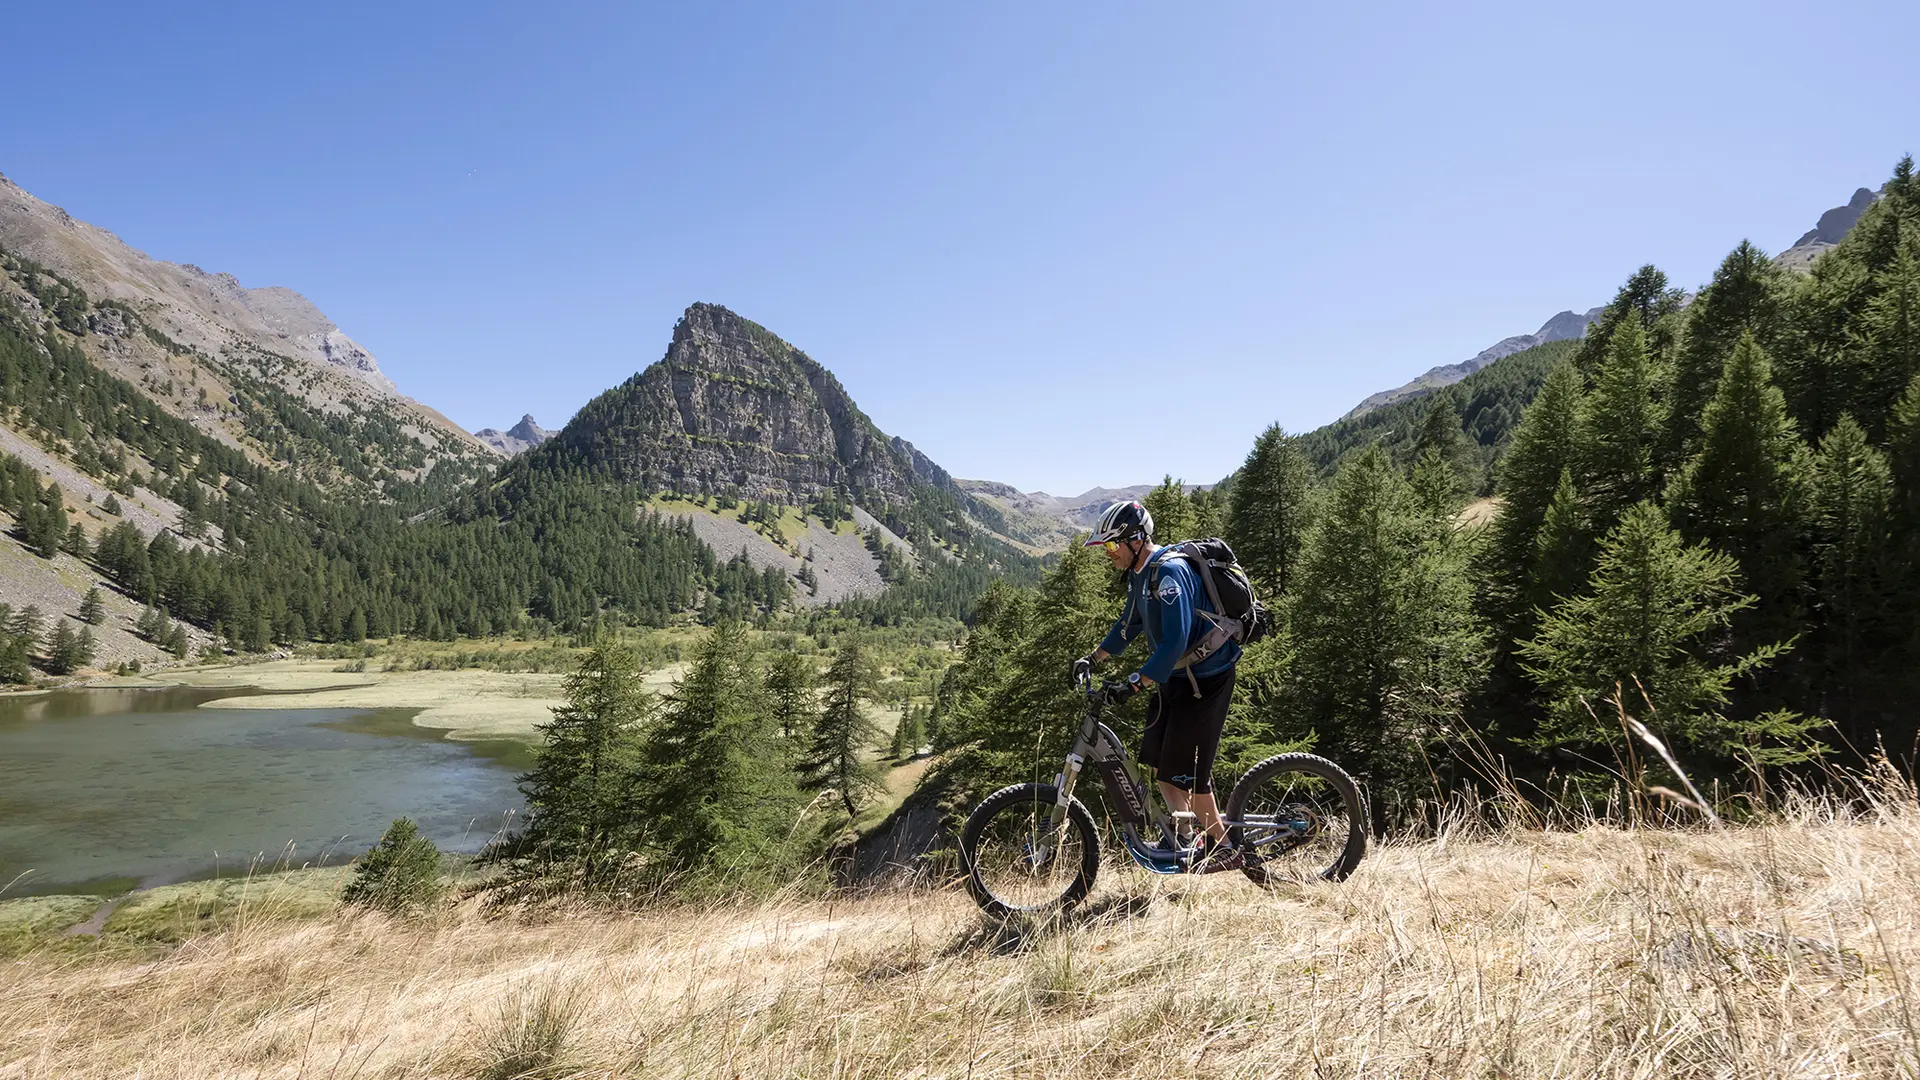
1778 951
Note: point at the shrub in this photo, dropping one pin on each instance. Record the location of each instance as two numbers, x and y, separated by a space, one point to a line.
400 875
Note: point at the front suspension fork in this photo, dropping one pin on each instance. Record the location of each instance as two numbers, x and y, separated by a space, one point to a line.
1063 784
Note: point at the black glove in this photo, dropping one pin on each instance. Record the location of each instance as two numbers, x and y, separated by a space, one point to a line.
1080 671
1118 689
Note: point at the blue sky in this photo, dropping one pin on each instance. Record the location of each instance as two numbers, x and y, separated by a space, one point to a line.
1057 245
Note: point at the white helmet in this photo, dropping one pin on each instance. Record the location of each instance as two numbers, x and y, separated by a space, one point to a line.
1123 521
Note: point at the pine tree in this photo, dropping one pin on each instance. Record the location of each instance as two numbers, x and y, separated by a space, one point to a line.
111 506
1174 519
1383 631
1742 494
1654 611
1564 553
84 648
1891 338
1269 510
400 875
178 643
1546 449
712 790
580 790
1620 428
843 733
792 697
357 626
93 608
1853 548
1748 296
26 627
75 542
1442 441
63 650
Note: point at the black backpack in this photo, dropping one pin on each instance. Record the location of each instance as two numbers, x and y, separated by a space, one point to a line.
1237 613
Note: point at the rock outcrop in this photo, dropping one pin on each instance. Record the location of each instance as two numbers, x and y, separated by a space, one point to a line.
732 408
517 439
1832 227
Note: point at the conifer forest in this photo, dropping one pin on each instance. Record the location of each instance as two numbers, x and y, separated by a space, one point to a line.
1702 517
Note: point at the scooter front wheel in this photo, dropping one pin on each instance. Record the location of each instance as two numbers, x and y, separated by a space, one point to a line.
1026 854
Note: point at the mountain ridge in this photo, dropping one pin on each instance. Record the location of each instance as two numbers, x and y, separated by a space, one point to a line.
1829 230
1567 324
255 367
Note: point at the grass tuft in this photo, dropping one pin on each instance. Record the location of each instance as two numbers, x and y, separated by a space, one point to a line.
535 1035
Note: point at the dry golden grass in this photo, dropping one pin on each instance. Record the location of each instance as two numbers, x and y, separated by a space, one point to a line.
1777 951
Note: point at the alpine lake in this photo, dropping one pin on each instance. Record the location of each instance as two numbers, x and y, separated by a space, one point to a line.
103 791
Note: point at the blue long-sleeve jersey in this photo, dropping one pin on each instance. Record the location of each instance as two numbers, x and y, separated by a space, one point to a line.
1167 619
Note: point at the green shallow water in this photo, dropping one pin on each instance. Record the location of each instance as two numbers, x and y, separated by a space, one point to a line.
105 790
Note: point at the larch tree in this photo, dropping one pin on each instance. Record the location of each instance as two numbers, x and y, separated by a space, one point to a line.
1174 517
792 694
1653 617
1890 339
1546 449
1564 549
1382 628
1270 510
1620 428
1853 549
1743 493
1645 300
580 791
844 734
63 650
714 789
1748 296
1441 440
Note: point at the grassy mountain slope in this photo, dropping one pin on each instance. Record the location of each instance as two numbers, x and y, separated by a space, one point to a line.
260 369
1784 950
264 555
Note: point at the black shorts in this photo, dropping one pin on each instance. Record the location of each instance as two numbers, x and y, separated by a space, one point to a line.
1183 731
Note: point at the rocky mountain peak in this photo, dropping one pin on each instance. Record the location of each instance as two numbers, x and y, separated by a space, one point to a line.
517 439
732 406
1833 227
